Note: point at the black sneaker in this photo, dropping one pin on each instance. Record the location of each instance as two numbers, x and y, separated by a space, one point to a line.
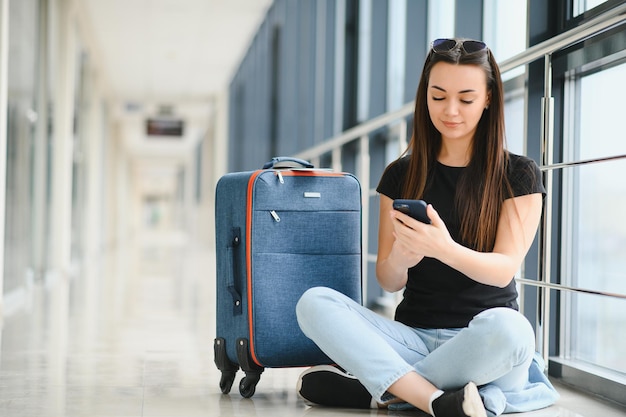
328 386
465 402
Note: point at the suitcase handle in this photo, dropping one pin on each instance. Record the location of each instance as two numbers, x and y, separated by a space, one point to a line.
233 271
279 162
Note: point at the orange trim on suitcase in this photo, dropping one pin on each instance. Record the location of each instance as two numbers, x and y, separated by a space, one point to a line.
249 260
249 195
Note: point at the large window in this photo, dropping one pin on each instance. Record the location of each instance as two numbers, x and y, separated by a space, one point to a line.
504 32
79 169
441 15
595 231
505 27
396 49
581 6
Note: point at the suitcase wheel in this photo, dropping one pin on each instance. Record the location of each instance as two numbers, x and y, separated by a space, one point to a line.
228 368
226 381
247 385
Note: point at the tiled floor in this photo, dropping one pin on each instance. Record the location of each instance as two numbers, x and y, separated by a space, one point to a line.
134 338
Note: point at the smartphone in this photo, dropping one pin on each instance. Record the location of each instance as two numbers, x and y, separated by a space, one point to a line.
414 208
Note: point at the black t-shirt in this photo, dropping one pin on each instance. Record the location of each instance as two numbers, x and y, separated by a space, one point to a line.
436 295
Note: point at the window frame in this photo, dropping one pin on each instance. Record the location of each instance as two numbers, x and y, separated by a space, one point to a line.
569 67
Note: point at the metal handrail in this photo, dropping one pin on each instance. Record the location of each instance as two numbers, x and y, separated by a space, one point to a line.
600 23
562 287
562 165
357 131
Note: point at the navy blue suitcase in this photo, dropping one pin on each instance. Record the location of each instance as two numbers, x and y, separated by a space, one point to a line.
279 231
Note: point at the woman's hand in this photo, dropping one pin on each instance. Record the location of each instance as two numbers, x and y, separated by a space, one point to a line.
414 239
403 242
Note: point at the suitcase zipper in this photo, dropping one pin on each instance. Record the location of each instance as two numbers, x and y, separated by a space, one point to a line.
280 177
275 216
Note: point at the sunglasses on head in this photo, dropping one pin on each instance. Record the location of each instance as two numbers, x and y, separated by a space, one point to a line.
468 46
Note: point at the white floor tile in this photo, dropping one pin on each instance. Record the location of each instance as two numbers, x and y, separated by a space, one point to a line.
134 337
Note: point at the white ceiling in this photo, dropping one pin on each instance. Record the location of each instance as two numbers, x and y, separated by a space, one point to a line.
178 53
171 50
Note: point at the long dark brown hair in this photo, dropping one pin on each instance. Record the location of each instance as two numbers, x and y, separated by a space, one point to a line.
483 184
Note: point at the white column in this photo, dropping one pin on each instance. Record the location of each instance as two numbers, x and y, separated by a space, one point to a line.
340 41
220 138
396 54
94 170
364 58
39 205
4 74
61 203
92 262
320 71
61 207
125 227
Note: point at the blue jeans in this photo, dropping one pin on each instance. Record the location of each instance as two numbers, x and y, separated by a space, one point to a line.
496 351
